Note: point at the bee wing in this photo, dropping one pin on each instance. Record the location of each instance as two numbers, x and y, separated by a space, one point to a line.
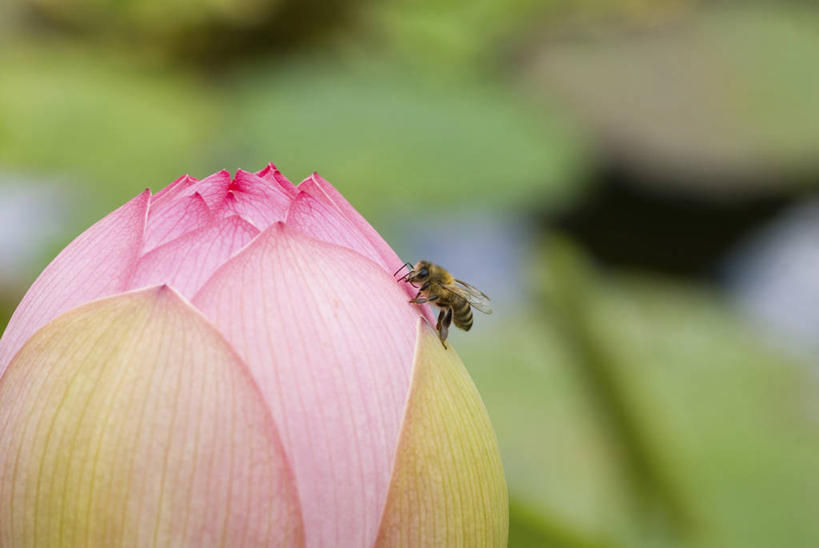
472 294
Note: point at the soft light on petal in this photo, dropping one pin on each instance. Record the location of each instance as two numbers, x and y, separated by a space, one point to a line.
448 487
329 338
99 262
272 175
187 262
180 216
213 189
166 195
256 200
321 221
130 421
322 190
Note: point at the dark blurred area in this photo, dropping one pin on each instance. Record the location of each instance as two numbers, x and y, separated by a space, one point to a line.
663 230
634 182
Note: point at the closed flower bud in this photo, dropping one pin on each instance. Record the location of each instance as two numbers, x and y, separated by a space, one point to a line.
230 362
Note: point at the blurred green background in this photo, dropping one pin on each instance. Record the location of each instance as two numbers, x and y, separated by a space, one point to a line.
635 182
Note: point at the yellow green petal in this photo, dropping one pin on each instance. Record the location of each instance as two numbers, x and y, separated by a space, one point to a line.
130 421
448 487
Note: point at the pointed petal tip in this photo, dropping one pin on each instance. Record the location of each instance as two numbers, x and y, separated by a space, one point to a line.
164 290
272 175
318 179
313 178
222 176
282 230
159 293
269 168
319 220
244 176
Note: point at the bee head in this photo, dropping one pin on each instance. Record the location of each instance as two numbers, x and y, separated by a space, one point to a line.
419 273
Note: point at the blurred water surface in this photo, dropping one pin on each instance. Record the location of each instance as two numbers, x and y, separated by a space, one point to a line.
33 213
774 279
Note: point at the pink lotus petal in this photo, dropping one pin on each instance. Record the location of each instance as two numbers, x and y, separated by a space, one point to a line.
256 200
323 222
131 422
337 394
272 175
213 189
99 262
319 188
187 262
323 190
447 487
164 196
175 219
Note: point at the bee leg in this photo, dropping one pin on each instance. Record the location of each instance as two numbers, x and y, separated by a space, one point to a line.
444 320
440 320
403 266
423 300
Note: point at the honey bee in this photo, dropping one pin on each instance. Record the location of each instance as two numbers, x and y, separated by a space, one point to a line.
454 297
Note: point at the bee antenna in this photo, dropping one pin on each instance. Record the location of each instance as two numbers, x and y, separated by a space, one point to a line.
403 266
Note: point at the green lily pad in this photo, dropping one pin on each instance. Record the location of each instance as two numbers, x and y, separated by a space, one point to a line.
730 422
736 419
463 34
151 16
109 126
387 138
720 101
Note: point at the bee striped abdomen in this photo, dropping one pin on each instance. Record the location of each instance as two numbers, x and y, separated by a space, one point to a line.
462 314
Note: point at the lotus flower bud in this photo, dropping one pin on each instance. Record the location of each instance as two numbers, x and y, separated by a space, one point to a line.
230 361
